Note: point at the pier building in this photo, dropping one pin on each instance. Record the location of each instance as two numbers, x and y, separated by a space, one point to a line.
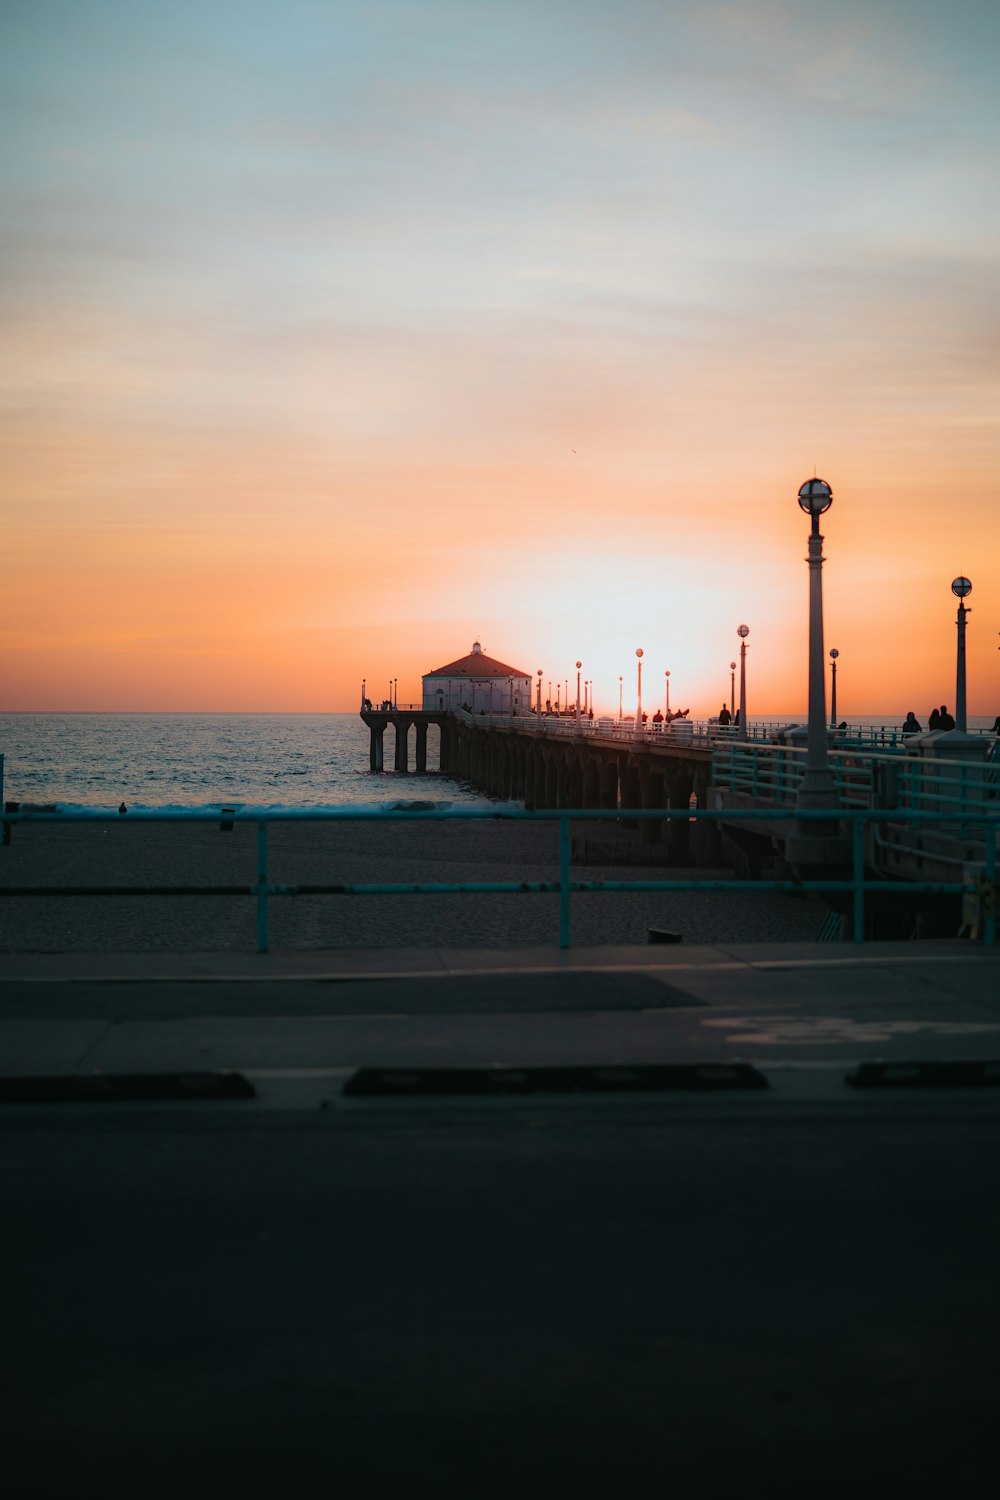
479 683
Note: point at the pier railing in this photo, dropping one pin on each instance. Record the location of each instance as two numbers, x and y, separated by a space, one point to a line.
961 791
853 884
861 735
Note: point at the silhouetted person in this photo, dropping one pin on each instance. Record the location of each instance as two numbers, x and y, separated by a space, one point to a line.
934 722
996 725
736 717
911 724
123 808
945 721
725 717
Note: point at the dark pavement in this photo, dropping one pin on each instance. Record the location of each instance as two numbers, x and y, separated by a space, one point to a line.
791 1290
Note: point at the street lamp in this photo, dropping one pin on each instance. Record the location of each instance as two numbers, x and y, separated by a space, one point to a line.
667 676
538 700
961 588
638 691
743 631
834 653
732 691
578 666
362 692
817 788
620 680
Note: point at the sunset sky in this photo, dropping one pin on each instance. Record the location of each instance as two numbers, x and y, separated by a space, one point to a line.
340 333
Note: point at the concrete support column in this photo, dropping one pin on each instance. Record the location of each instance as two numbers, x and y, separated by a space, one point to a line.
652 794
402 748
574 780
518 764
561 782
376 747
628 777
421 746
551 781
708 838
679 796
608 775
591 781
529 761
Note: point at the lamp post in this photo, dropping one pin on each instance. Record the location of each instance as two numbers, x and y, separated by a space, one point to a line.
538 700
620 680
362 692
558 709
578 666
743 631
395 692
638 691
834 653
961 588
732 691
817 789
667 676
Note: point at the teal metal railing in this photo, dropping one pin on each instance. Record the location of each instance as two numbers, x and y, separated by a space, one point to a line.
852 821
963 790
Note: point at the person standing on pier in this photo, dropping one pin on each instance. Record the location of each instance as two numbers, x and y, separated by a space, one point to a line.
934 721
725 717
911 724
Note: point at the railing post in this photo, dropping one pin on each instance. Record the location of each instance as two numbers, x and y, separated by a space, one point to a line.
564 882
262 886
858 831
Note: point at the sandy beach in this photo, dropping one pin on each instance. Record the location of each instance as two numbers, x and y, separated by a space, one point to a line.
177 854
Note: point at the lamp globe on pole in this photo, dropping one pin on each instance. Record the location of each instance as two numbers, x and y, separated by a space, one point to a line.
817 789
667 679
578 666
961 587
732 691
743 631
638 691
620 683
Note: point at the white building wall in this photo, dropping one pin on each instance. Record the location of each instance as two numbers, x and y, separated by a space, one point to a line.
494 695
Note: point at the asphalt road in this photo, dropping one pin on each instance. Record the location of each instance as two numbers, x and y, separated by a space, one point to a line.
790 1291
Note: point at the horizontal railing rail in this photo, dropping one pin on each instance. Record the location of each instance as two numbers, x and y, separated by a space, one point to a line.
853 822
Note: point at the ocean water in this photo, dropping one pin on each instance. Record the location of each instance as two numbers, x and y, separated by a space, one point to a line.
214 760
209 760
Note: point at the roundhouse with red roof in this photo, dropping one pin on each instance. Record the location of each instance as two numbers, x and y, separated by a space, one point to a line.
480 683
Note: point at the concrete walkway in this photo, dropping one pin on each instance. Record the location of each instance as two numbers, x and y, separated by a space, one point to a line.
299 1023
